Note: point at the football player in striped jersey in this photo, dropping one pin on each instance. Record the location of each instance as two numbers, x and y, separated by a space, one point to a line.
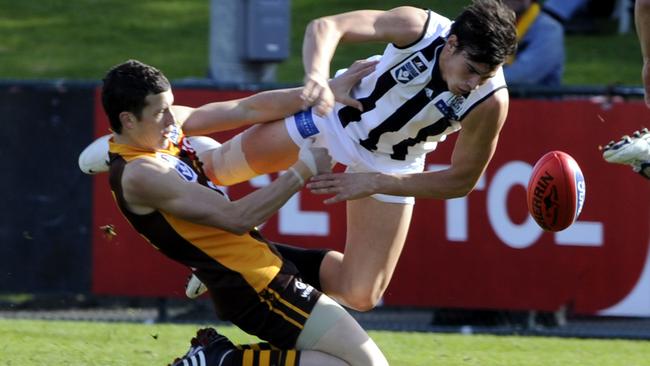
435 77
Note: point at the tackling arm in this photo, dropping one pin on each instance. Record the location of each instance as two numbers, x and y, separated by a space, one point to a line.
265 106
261 107
150 185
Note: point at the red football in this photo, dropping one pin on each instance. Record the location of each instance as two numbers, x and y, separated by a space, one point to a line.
556 191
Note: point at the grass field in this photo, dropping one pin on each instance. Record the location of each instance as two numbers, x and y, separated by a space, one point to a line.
36 343
80 39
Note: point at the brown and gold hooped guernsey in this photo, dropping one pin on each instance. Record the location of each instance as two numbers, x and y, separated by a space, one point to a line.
245 274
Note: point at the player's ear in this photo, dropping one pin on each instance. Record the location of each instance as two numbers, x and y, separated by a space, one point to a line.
128 119
452 43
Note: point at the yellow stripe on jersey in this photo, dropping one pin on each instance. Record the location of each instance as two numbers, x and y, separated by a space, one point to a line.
130 153
282 314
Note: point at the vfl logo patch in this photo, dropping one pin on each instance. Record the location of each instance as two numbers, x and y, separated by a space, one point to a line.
305 123
451 107
184 170
409 69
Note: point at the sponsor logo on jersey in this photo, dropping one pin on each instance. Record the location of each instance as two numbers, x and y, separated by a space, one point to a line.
304 289
410 69
456 103
187 146
182 168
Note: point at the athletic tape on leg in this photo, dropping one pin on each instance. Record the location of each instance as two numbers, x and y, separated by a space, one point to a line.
229 163
306 156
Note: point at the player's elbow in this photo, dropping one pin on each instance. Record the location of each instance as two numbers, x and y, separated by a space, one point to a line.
241 229
314 25
236 223
319 26
462 187
242 219
236 227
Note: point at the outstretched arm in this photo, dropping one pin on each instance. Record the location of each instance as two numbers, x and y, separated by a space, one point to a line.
227 115
150 185
400 26
263 107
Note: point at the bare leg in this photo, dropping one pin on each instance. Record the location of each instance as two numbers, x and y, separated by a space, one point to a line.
332 330
376 232
261 149
269 148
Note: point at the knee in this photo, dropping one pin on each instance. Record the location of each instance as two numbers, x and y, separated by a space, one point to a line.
361 299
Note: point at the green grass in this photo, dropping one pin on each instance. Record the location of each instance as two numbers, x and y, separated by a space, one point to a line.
35 343
81 39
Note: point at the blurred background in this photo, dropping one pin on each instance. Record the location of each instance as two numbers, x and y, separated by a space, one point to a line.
80 40
478 262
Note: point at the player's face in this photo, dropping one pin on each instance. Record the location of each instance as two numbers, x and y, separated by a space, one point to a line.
462 74
156 121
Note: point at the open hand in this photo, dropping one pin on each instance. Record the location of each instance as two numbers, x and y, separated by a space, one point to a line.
317 94
344 186
342 84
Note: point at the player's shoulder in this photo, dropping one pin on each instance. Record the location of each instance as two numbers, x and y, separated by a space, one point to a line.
492 107
410 26
143 171
499 99
410 13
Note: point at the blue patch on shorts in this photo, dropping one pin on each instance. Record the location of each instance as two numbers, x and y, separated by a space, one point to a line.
305 123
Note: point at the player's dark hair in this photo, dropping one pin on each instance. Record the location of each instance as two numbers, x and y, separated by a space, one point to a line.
125 88
486 31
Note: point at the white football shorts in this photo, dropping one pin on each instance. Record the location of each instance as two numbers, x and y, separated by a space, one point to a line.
328 132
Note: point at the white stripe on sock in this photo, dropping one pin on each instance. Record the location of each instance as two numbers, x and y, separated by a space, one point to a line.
223 357
202 359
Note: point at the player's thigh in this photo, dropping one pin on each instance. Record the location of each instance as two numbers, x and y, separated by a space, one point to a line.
268 147
376 232
331 329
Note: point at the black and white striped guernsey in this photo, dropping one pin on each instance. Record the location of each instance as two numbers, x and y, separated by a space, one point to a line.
407 106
